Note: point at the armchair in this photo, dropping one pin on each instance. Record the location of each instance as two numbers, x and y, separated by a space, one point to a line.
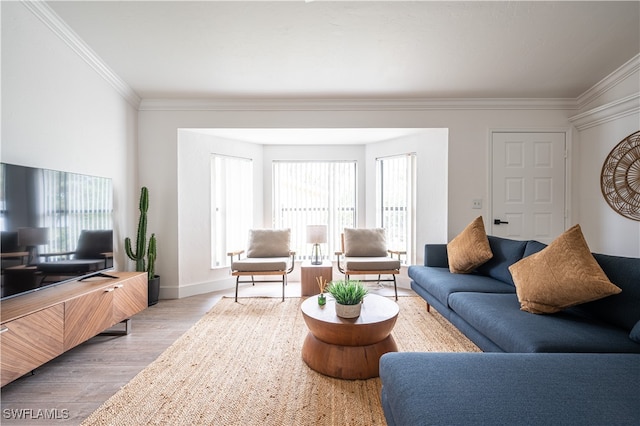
267 254
364 252
93 252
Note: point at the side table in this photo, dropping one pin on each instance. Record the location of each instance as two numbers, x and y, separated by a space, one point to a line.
348 348
309 285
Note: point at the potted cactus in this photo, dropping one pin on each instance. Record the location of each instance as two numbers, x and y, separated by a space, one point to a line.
145 257
348 295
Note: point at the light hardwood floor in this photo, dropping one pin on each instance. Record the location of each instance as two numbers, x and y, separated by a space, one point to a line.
77 382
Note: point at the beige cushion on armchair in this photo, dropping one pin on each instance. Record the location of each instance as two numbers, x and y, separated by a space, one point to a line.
371 242
261 264
366 250
269 243
371 263
268 251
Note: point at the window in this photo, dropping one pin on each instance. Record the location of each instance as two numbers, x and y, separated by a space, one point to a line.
231 205
69 203
395 201
314 193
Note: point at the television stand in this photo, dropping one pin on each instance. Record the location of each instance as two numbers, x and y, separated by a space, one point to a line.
39 326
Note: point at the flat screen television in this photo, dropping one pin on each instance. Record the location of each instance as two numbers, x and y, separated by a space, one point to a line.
50 222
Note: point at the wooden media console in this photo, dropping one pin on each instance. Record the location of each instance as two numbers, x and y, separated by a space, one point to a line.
39 326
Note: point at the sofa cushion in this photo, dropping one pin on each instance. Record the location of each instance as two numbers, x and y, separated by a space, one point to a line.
269 243
365 242
533 247
506 252
499 318
621 309
436 255
440 283
561 275
469 249
509 389
635 333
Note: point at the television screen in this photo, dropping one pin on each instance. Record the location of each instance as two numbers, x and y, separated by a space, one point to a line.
56 226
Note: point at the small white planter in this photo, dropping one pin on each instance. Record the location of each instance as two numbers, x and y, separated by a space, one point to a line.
348 311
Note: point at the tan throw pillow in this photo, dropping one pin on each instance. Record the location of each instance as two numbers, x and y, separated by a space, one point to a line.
561 275
367 242
469 249
269 243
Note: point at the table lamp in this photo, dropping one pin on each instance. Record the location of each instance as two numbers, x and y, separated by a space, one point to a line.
31 238
316 235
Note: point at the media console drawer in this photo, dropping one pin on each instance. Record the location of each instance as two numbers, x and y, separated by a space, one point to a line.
30 341
87 315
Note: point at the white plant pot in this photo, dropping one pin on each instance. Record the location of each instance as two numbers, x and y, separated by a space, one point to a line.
348 311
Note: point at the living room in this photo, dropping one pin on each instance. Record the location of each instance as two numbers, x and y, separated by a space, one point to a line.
66 106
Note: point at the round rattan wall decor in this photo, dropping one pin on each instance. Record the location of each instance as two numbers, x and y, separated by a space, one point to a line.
620 177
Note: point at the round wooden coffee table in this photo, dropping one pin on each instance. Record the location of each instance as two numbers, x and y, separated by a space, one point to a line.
348 348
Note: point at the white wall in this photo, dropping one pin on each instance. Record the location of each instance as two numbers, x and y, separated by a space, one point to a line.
194 209
612 114
431 149
605 230
467 157
57 113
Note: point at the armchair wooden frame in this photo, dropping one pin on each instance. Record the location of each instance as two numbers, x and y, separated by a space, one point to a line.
252 274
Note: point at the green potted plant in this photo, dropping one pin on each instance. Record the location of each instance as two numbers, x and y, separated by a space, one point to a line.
348 295
145 257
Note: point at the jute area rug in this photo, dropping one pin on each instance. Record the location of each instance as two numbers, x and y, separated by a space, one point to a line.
241 365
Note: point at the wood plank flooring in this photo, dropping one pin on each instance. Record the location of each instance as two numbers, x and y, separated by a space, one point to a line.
69 388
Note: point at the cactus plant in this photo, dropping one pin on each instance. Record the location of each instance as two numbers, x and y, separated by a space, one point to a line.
138 255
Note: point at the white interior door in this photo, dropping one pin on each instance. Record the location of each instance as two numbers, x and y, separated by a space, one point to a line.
528 185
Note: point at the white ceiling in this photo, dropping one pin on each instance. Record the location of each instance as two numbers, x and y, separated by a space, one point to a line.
358 50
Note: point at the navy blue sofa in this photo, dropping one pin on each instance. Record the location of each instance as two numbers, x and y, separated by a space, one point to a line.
483 305
580 366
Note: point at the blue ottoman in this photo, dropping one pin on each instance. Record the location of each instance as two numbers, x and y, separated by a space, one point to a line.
510 389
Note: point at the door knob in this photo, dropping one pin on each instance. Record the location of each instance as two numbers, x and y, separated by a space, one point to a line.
498 222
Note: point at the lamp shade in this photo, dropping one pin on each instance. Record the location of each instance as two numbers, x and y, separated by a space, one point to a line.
33 236
316 234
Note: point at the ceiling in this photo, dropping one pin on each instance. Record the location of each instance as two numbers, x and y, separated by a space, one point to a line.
357 50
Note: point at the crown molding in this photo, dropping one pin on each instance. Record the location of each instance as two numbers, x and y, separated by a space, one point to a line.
407 104
48 16
612 111
623 72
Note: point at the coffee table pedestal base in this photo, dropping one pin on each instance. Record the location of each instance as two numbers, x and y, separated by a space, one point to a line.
346 362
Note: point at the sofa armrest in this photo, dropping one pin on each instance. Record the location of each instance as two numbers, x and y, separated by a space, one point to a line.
435 255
